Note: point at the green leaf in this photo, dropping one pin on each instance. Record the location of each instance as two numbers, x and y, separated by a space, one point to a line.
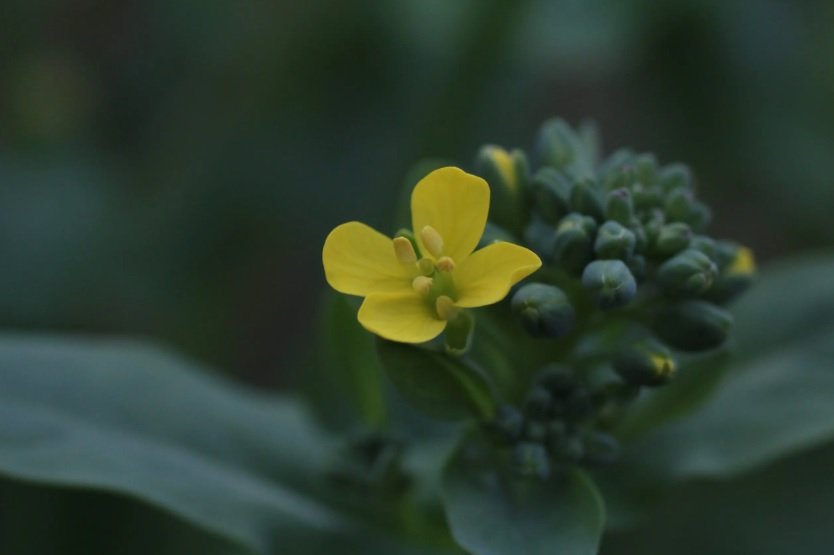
777 397
131 420
492 512
784 508
346 384
440 385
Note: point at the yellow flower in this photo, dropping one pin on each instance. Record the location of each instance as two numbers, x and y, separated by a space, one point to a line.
409 297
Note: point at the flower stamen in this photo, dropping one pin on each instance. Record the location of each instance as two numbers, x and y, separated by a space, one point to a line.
445 307
445 264
422 285
432 241
404 250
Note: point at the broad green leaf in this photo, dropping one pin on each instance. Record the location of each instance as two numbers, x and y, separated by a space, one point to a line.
776 398
492 512
784 508
441 385
134 421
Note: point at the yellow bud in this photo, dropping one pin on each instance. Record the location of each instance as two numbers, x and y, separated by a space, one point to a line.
445 264
446 308
422 284
504 163
404 250
743 264
664 366
432 241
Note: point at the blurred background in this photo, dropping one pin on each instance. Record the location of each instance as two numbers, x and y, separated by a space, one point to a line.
169 169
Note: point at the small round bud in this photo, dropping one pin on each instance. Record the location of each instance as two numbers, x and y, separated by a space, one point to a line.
675 176
645 363
694 325
572 246
687 274
672 238
558 379
610 283
508 423
545 310
704 244
619 206
537 403
614 241
645 168
530 459
737 273
601 448
681 206
585 199
552 192
646 197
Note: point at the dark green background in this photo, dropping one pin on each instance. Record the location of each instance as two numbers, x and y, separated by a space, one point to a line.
169 169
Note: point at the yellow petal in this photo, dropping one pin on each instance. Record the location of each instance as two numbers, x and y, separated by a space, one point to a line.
487 276
403 317
454 203
359 260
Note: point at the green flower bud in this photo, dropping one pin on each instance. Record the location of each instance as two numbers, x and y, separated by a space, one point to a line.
556 144
645 363
645 169
530 459
646 197
545 310
688 274
619 177
508 423
610 283
675 176
601 448
694 325
552 191
614 241
507 174
568 450
704 244
572 246
557 378
619 206
738 268
672 238
681 206
585 199
537 402
493 233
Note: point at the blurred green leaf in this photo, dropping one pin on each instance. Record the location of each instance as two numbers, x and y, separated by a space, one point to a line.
442 386
132 420
346 384
492 512
784 508
776 397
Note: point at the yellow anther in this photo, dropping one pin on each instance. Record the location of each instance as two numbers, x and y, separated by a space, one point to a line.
445 264
426 266
432 241
422 284
744 263
445 307
404 250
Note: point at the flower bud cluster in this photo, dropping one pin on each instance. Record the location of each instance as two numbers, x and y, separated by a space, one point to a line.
626 259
